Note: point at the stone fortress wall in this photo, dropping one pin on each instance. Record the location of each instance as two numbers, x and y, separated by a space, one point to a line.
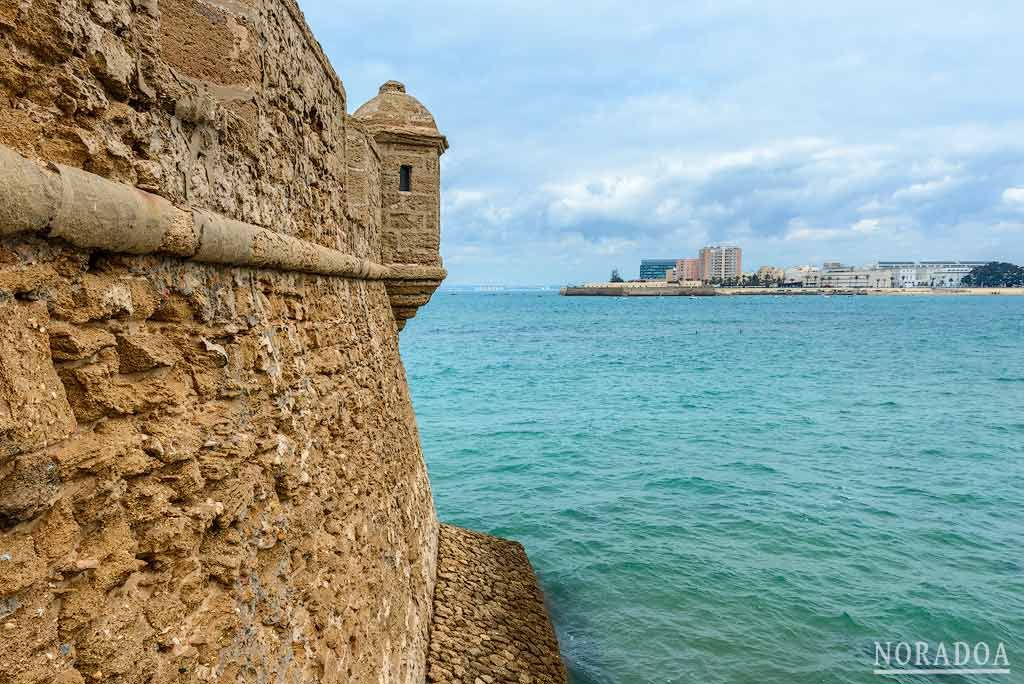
209 463
206 473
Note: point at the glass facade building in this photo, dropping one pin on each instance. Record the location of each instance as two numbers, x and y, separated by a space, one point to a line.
654 269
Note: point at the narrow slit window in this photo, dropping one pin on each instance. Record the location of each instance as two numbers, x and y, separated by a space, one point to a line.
405 179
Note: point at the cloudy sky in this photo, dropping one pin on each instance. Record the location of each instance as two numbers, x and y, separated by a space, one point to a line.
588 135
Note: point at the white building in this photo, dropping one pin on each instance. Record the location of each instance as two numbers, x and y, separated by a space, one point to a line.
948 277
853 279
720 263
906 276
929 273
798 275
836 275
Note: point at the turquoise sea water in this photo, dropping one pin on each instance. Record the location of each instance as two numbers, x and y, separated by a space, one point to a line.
738 490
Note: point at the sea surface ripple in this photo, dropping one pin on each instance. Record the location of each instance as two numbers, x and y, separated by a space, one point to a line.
738 490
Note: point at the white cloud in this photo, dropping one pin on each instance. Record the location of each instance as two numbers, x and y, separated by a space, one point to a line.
497 215
456 198
872 206
614 246
867 226
1014 197
926 190
466 254
577 243
610 196
933 167
798 230
672 209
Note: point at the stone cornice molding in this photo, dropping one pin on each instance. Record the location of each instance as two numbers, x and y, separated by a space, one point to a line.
92 212
388 135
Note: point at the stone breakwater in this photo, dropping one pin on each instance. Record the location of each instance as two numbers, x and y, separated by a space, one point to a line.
616 291
490 625
210 469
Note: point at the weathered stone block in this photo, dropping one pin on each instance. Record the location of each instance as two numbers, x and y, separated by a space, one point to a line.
34 409
73 342
26 486
207 42
139 350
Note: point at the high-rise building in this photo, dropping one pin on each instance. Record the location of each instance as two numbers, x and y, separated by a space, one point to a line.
654 269
688 269
720 263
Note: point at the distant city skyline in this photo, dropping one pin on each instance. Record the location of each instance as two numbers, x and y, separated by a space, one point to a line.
722 265
879 263
585 137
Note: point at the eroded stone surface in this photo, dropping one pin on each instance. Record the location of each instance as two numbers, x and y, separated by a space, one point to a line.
225 106
206 474
34 408
490 624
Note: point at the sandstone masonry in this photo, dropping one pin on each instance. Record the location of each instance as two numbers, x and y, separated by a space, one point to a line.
209 463
490 624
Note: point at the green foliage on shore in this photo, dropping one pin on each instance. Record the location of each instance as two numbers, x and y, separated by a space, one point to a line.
995 274
752 280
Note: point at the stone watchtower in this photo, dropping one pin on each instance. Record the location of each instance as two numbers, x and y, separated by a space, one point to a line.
410 147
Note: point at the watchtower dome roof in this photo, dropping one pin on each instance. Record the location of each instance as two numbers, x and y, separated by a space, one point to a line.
395 111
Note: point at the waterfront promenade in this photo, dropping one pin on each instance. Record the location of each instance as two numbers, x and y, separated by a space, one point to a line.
646 290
